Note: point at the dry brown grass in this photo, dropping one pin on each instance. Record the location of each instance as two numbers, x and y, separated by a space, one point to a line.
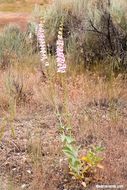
98 110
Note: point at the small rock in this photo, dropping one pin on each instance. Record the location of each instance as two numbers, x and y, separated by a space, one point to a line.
13 169
23 186
84 184
28 171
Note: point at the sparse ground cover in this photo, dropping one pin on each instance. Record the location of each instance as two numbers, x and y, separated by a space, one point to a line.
19 6
32 157
18 12
16 6
92 102
20 19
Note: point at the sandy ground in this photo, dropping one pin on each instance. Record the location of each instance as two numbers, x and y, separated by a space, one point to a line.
20 19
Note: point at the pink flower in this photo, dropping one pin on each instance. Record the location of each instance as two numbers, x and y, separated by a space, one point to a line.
42 44
60 58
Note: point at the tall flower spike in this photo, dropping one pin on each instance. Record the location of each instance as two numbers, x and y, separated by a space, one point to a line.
42 44
61 65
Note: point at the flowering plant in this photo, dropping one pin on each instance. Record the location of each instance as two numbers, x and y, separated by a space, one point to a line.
42 44
61 65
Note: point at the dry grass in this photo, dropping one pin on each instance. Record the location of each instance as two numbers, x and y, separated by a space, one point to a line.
20 6
98 110
18 12
30 149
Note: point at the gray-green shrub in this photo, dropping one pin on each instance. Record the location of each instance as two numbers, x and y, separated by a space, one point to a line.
14 44
93 30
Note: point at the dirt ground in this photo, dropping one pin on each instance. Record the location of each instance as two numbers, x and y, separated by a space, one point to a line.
19 12
20 19
32 157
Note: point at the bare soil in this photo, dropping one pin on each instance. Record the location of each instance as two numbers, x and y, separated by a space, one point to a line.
32 158
20 19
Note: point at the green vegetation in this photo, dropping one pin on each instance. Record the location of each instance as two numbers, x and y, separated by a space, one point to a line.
63 96
103 22
14 45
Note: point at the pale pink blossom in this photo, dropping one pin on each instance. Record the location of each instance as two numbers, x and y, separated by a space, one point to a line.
42 44
60 58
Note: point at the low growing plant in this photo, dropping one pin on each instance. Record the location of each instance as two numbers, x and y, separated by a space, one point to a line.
81 166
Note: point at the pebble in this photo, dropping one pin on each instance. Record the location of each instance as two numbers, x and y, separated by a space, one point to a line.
23 186
28 171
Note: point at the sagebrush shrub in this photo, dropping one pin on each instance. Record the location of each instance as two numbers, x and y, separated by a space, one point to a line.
93 30
14 44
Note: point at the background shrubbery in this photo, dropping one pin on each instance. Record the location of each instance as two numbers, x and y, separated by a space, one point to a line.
14 45
94 31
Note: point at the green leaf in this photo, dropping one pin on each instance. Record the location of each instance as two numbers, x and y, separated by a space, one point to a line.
75 165
67 139
69 150
99 149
